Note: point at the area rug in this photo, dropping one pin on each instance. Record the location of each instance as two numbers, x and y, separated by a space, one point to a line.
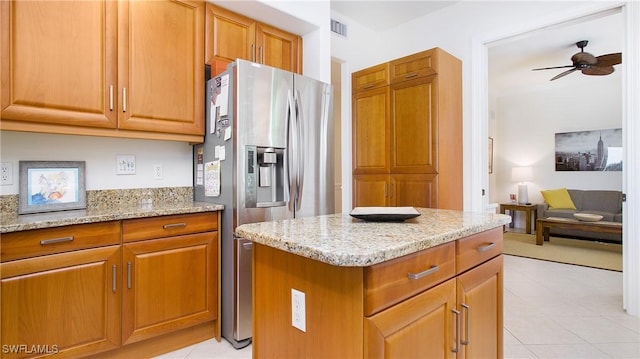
565 250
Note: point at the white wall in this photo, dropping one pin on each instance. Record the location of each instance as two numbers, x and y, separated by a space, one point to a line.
100 156
525 129
443 29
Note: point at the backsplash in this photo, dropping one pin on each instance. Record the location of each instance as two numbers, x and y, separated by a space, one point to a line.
103 200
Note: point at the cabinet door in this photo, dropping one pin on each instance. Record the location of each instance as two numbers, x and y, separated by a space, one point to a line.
371 77
423 326
278 48
414 126
371 190
480 303
160 69
169 284
67 303
414 190
59 62
229 36
371 131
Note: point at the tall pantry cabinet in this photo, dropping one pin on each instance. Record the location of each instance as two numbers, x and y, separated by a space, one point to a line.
407 132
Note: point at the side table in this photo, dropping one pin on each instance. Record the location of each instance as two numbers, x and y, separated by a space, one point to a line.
528 209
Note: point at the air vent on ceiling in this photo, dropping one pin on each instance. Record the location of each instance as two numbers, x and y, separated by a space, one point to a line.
339 28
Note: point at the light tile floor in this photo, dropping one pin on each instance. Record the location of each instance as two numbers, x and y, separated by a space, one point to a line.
551 310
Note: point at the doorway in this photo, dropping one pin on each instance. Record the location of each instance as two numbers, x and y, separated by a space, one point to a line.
631 117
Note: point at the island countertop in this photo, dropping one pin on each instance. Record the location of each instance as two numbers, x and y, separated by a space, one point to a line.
342 240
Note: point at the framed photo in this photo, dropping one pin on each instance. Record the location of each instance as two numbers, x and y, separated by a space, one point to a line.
47 186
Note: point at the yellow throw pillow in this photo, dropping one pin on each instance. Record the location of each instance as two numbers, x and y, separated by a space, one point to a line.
558 198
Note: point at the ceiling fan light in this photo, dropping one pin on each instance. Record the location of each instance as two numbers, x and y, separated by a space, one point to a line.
598 70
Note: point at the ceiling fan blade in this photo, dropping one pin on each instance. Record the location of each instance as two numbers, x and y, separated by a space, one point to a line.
609 60
549 68
564 74
598 70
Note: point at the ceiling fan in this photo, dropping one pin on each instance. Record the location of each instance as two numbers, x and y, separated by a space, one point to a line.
587 63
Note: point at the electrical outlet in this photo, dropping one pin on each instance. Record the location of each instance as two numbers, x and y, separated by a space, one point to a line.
298 317
125 164
157 171
6 173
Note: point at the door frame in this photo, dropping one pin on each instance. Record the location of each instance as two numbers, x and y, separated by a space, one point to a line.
630 125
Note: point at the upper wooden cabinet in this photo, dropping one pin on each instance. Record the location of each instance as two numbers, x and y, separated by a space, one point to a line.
407 119
160 69
230 36
369 78
63 70
106 68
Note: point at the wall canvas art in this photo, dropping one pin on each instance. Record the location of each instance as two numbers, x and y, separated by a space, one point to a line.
598 150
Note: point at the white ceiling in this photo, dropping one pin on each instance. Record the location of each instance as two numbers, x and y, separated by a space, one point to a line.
510 60
382 15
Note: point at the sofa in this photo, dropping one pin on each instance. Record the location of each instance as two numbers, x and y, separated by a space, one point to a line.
602 202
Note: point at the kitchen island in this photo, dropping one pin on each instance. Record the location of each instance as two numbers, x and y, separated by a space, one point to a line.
427 287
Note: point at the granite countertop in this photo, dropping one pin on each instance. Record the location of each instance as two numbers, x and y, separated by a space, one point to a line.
15 222
342 240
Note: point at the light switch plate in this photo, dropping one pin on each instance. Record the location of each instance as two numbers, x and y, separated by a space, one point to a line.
125 164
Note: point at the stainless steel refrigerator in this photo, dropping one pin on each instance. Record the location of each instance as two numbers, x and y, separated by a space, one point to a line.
268 154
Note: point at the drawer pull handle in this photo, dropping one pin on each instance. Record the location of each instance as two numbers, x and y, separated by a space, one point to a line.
413 74
431 270
56 240
114 275
467 324
368 86
486 247
174 225
129 275
457 329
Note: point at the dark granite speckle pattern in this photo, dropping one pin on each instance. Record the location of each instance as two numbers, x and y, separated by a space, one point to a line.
342 240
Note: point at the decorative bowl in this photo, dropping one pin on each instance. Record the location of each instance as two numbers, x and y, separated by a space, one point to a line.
587 217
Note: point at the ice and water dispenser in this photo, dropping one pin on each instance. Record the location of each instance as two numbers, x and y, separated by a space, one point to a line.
265 177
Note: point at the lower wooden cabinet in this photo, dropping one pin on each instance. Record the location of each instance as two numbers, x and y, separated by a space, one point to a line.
169 283
78 290
399 190
479 294
419 327
64 303
461 318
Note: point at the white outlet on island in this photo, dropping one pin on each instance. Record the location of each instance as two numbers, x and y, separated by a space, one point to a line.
298 318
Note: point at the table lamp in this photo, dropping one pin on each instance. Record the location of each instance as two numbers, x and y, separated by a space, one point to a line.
522 174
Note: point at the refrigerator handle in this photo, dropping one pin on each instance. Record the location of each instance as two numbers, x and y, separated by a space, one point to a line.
300 150
290 156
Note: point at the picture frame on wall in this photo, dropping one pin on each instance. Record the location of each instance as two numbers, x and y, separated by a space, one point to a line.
48 186
594 150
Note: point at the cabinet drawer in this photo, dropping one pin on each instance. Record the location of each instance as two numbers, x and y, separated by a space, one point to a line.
478 248
390 282
413 66
369 78
39 242
156 227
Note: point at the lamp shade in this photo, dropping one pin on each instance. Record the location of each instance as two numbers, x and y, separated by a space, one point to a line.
521 174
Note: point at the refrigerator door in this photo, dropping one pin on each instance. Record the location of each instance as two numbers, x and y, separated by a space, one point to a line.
315 176
261 105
